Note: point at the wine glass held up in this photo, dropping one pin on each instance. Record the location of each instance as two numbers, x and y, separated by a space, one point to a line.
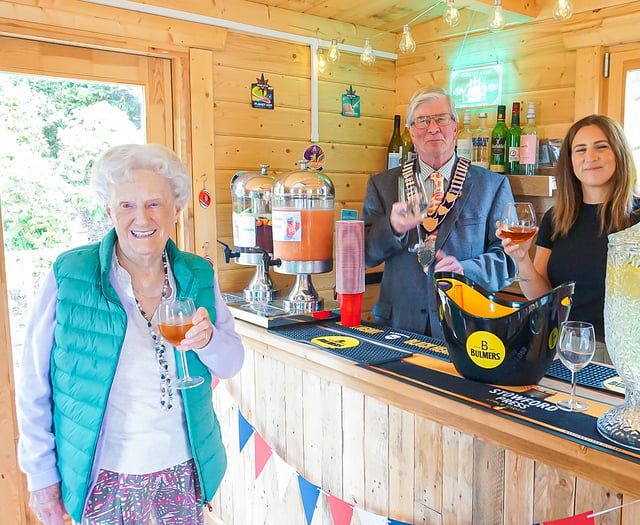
412 192
576 345
174 321
519 225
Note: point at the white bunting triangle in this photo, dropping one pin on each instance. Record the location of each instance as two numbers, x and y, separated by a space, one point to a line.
368 518
284 472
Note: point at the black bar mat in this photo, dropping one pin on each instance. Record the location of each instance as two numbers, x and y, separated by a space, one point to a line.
594 375
338 343
402 339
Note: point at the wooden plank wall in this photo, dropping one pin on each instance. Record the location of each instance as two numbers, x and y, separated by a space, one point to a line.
379 458
246 137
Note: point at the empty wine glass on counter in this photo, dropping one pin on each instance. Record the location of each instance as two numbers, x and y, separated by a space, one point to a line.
576 345
174 321
519 225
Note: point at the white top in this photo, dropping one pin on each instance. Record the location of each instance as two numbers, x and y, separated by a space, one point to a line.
141 437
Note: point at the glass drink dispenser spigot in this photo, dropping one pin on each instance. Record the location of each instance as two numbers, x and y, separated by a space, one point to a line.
251 195
303 219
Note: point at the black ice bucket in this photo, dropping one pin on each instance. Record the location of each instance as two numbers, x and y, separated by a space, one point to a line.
497 341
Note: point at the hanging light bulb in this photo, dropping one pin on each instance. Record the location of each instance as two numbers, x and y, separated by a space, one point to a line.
496 20
407 43
367 57
451 15
321 61
334 53
563 10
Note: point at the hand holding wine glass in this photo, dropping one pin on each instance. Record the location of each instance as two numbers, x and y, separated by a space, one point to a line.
576 345
518 224
174 321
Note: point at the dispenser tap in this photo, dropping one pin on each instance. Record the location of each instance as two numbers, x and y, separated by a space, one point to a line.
228 252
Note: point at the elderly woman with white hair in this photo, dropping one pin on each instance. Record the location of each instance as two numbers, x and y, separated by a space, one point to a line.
105 436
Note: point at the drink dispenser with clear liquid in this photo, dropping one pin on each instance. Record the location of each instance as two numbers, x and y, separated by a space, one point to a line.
251 195
303 219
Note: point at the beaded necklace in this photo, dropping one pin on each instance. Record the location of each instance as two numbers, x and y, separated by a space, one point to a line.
166 390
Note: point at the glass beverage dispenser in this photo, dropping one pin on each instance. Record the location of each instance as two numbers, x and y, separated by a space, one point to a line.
303 219
251 194
621 424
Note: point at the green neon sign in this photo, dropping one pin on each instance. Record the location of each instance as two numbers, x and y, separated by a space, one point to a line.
476 86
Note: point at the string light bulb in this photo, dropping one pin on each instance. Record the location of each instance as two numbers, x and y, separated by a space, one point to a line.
367 57
563 10
321 61
407 43
451 16
334 53
496 19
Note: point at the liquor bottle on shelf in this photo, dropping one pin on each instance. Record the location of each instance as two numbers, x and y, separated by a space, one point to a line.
529 143
513 163
464 144
499 137
407 146
480 141
394 150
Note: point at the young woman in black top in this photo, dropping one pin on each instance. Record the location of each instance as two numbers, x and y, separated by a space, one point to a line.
596 177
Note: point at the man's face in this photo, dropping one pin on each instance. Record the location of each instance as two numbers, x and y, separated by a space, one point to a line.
434 143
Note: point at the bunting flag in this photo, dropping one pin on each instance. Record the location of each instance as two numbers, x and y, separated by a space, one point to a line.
581 519
369 518
263 453
341 511
215 381
284 471
245 430
310 494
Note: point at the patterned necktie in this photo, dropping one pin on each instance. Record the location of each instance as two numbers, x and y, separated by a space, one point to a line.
438 193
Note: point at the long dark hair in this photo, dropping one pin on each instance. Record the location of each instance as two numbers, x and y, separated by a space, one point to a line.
615 211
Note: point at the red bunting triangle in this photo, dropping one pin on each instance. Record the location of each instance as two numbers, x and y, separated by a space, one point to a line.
214 382
263 453
341 511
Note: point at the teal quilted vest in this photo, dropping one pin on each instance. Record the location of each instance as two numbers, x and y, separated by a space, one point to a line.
90 328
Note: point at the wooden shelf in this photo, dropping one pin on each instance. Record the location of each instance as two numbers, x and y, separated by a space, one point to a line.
533 185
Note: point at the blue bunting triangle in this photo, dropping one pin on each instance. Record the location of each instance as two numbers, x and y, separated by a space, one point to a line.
310 494
396 522
245 430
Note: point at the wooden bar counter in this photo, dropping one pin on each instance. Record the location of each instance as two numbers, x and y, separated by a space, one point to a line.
396 450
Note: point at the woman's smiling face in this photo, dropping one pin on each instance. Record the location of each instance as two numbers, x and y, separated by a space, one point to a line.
593 159
143 213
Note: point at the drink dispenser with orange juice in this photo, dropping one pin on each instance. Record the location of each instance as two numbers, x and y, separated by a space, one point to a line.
251 194
303 219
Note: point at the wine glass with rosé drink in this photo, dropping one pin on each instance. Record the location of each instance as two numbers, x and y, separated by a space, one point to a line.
519 225
174 321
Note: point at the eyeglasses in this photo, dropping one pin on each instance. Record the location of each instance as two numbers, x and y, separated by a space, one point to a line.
442 120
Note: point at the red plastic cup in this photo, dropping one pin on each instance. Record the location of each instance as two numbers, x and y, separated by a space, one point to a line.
350 308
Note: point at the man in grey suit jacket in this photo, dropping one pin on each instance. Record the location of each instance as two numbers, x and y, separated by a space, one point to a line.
466 242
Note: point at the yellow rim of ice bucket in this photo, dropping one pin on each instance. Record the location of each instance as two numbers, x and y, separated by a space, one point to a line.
474 302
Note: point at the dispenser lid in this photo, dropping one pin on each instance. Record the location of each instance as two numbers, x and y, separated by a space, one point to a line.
303 181
253 184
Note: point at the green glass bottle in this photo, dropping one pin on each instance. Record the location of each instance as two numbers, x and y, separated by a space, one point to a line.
499 138
395 145
513 163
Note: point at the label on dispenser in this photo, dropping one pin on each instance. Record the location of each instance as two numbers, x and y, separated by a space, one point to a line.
287 225
244 230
